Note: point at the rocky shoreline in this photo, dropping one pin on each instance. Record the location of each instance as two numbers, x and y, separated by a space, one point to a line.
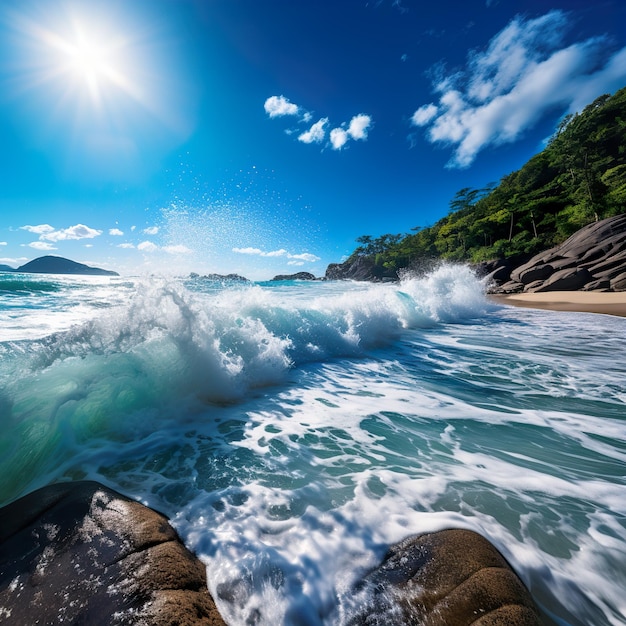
592 259
82 553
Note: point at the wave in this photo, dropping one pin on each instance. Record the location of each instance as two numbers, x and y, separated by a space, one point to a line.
171 351
17 285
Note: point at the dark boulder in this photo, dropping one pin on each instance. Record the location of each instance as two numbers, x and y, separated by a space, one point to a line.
361 268
619 282
608 264
500 274
602 284
451 577
596 252
571 279
80 553
538 272
509 287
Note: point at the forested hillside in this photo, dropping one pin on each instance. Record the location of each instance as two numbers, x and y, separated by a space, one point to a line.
578 178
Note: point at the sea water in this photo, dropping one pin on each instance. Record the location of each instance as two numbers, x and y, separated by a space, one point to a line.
292 431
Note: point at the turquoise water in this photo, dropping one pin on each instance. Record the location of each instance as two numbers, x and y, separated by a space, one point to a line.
293 431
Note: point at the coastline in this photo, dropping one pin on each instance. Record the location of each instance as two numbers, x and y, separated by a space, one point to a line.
605 303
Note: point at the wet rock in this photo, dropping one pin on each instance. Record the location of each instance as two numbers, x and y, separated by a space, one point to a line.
81 553
511 286
451 577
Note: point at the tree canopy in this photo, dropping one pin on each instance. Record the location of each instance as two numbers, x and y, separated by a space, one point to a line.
580 177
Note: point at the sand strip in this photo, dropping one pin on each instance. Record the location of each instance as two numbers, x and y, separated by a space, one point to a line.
612 303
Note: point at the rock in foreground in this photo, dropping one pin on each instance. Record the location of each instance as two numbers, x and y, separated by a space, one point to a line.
81 553
447 578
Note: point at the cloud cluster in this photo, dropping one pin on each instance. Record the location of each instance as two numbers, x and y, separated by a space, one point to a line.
525 71
357 129
48 235
294 259
150 247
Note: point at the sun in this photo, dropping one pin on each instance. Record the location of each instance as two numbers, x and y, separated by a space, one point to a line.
90 60
84 54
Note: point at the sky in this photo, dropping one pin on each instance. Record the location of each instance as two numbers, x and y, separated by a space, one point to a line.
264 137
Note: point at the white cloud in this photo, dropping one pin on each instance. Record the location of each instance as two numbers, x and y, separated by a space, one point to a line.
13 261
248 251
41 245
338 138
177 249
424 114
316 133
359 126
258 252
151 230
356 129
127 246
305 256
116 232
274 253
41 229
298 263
79 231
277 106
525 72
3 243
147 246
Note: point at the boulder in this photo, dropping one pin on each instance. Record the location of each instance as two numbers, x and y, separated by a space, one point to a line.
597 252
538 272
602 284
510 286
608 263
361 268
571 279
619 282
81 553
500 274
451 577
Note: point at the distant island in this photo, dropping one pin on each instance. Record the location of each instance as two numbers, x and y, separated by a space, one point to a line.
57 265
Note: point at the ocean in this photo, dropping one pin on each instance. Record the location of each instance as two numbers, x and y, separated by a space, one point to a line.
292 431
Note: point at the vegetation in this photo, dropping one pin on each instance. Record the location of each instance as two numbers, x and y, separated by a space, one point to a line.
578 178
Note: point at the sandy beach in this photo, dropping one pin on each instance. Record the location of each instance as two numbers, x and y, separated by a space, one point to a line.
613 303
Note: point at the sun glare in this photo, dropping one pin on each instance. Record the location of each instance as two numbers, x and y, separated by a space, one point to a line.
80 53
89 60
86 73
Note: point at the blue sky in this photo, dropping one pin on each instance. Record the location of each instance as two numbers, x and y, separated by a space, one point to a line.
170 136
